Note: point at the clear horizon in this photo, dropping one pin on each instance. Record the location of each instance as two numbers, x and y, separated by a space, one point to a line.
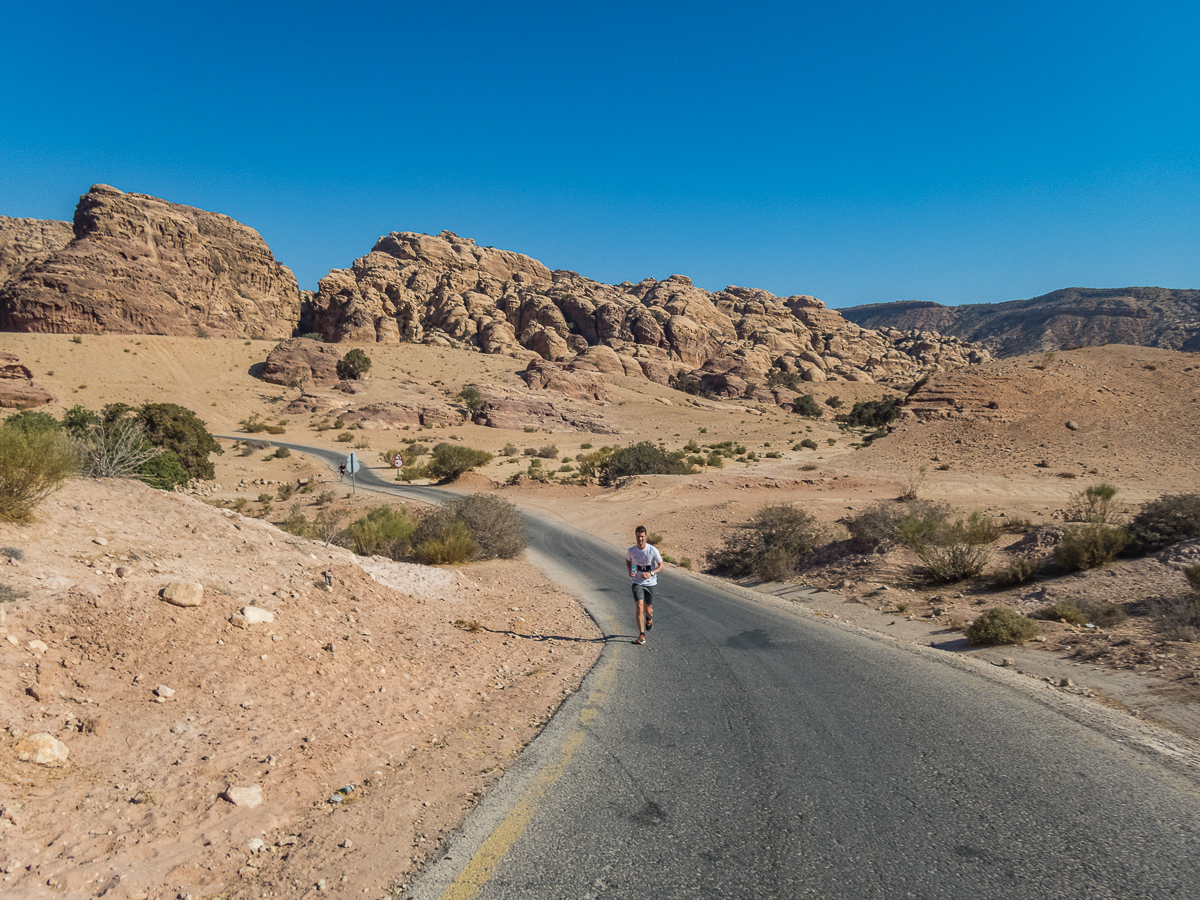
880 153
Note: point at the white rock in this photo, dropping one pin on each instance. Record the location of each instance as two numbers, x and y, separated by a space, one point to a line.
256 615
165 692
249 797
38 646
183 593
255 844
43 749
101 541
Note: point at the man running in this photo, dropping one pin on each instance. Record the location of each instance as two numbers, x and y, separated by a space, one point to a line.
643 563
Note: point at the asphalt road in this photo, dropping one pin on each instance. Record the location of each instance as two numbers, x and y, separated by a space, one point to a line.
748 751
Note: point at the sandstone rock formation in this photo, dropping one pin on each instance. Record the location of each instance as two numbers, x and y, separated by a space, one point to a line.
1073 317
17 387
302 361
140 265
447 290
23 241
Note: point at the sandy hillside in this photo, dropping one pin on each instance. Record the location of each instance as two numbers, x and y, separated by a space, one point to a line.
1135 412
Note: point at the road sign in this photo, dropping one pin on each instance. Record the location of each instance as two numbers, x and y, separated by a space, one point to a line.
398 462
352 463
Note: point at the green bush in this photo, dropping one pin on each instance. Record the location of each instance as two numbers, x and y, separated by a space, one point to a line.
164 472
471 398
354 365
282 453
1017 572
807 406
29 421
449 461
1168 520
871 413
1094 504
1001 625
299 524
1067 612
32 466
452 543
1090 546
949 551
412 473
548 452
643 458
344 438
787 530
384 531
253 424
181 431
808 444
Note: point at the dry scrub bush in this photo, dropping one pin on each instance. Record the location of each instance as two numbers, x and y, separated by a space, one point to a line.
1168 520
32 466
1001 625
453 544
769 545
495 524
1090 546
1062 612
1017 572
1094 504
384 531
449 461
950 551
298 523
879 523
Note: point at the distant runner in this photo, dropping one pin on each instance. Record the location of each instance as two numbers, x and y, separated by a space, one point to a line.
643 563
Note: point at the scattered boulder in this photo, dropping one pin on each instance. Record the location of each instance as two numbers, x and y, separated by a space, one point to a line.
248 797
256 615
183 593
43 749
302 361
18 390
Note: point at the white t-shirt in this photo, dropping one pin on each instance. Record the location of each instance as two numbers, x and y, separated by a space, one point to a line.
644 561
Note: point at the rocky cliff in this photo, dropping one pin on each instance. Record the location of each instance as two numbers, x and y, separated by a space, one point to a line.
137 264
1073 317
448 290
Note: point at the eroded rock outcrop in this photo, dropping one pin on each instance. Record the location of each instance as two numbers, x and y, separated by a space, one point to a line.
136 264
302 361
446 290
17 388
23 241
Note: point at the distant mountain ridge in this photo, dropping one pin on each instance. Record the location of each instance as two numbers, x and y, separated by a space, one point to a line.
1072 317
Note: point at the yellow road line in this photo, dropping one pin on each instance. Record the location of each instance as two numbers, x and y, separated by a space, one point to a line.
477 872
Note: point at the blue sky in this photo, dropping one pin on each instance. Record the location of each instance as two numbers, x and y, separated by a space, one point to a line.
862 152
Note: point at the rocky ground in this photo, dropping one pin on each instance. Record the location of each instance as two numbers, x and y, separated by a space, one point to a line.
270 706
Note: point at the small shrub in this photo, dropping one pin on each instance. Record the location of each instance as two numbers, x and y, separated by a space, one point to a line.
1067 475
1090 546
495 524
806 406
548 452
1168 520
275 429
344 438
509 450
1178 616
686 563
240 504
774 527
282 453
530 429
339 422
879 523
809 467
1017 572
1001 625
163 472
871 413
299 524
314 336
950 552
529 451
777 564
1093 504
384 531
12 553
362 444
1062 612
286 491
912 483
412 473
253 424
808 444
643 458
452 544
265 500
32 466
354 365
471 398
449 461
1105 615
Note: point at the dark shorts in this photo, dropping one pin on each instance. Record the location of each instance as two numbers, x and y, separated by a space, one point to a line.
644 592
